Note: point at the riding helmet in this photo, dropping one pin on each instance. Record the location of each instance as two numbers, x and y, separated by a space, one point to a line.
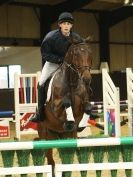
65 17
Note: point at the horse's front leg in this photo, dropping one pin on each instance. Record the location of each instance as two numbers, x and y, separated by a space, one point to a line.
86 115
69 125
87 107
50 160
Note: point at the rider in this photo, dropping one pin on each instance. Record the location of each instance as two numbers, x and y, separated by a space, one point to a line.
53 50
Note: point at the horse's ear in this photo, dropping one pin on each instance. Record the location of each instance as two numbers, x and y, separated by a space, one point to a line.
75 40
88 39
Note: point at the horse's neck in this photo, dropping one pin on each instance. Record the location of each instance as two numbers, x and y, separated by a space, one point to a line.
74 84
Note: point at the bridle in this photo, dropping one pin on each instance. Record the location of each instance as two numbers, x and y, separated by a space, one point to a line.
76 68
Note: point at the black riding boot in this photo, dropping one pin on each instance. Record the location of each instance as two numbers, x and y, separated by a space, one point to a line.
39 116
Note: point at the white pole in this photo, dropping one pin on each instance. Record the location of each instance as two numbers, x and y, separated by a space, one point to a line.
16 101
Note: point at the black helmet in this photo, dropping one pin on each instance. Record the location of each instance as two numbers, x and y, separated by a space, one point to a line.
65 17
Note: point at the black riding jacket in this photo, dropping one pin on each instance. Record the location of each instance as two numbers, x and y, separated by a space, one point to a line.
55 45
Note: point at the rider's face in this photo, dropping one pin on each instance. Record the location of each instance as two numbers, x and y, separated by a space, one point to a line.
65 27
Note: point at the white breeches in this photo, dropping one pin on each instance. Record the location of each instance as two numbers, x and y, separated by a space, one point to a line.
48 69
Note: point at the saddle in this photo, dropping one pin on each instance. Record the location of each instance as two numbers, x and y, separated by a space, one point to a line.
45 87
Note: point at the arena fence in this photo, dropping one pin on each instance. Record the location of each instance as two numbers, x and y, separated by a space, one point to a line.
84 155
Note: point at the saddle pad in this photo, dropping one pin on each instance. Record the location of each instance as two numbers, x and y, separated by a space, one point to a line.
49 88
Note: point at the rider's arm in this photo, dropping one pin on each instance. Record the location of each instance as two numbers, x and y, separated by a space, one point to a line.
47 54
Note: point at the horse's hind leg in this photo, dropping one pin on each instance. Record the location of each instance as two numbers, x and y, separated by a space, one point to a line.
51 160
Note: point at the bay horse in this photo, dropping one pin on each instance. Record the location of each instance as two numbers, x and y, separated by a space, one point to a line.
70 88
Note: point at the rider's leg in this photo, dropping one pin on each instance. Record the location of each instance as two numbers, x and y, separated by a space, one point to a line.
39 116
47 71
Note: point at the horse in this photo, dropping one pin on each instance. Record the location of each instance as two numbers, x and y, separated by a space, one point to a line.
70 94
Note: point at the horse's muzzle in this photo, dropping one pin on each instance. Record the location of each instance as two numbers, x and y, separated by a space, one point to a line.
69 126
86 76
86 81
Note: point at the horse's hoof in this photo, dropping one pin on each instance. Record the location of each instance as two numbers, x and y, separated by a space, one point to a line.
80 129
69 126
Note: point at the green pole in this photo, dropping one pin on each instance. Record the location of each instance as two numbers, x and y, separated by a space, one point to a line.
55 144
126 140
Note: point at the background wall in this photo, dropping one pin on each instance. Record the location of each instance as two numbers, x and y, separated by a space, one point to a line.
121 51
19 22
22 22
28 57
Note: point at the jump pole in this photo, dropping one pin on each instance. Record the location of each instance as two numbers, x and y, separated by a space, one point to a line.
101 102
66 143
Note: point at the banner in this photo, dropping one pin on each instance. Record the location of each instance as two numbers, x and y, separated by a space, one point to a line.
4 129
25 124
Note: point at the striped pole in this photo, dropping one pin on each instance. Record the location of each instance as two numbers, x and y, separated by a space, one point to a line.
6 113
94 123
101 102
66 143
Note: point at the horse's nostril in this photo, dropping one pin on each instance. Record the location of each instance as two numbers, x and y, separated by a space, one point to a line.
69 126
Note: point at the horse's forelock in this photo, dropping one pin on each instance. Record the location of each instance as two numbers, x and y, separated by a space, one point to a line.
80 46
